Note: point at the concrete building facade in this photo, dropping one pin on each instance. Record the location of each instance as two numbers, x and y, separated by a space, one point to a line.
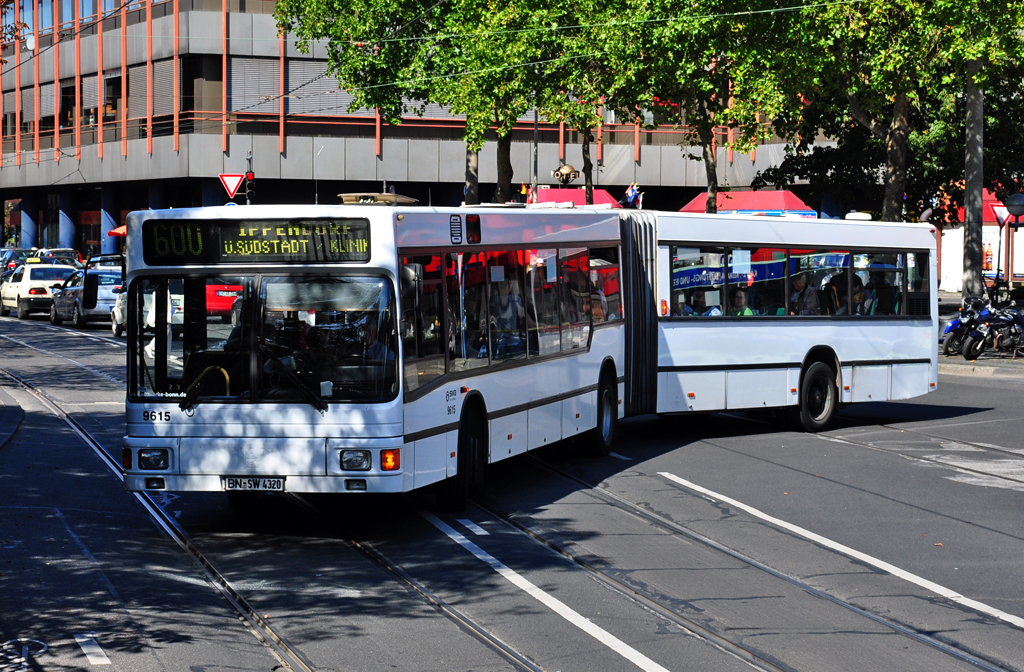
108 108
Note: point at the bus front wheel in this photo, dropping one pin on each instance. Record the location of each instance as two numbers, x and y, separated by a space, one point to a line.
602 436
819 398
454 491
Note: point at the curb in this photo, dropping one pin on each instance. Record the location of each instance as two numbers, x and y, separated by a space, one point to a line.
11 416
979 370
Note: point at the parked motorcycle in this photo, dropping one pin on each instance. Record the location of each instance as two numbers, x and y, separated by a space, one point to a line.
1002 330
974 309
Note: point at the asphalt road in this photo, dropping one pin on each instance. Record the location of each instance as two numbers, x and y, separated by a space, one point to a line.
892 542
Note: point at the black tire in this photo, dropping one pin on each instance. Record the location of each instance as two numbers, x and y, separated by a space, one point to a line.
973 347
602 436
953 344
819 398
453 493
4 312
115 328
55 318
77 318
22 310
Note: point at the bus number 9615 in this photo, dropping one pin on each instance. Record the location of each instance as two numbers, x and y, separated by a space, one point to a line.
156 416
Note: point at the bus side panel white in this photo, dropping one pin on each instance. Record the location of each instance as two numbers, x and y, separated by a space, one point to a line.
452 441
227 457
756 389
508 436
579 414
870 383
706 387
909 380
545 424
846 394
430 463
793 387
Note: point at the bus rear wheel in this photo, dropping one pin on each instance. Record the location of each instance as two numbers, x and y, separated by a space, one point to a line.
819 398
453 493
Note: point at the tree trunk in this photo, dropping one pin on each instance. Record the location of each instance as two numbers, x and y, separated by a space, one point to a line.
472 196
896 139
974 282
503 194
709 149
588 166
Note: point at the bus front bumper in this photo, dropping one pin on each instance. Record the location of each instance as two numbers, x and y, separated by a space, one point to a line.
156 481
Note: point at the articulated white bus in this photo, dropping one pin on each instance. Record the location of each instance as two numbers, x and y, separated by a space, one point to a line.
370 348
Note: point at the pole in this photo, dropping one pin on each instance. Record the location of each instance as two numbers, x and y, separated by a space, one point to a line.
248 171
536 139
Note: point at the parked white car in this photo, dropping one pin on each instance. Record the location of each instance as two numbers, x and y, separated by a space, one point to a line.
29 289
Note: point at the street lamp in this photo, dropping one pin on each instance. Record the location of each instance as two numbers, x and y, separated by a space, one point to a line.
1015 205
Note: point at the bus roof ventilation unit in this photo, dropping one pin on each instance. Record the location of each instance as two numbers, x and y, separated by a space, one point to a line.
376 199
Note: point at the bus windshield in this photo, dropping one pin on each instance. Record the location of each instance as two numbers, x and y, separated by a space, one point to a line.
302 339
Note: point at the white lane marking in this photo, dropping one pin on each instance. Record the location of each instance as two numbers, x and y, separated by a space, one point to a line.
863 557
473 527
92 650
621 457
555 605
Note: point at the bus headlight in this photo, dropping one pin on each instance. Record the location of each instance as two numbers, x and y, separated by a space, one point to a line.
154 458
355 460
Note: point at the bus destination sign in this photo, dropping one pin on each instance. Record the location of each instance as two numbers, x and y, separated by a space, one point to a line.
177 242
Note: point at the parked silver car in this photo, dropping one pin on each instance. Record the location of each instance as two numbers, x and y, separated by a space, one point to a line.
66 301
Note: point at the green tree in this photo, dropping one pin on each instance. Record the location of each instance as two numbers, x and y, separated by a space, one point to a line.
701 65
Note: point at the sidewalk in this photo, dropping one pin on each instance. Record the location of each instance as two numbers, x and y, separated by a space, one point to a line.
994 366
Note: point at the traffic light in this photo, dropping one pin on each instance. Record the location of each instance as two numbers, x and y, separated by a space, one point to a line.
250 187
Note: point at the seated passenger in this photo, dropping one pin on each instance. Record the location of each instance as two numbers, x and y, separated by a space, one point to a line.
803 300
739 303
372 348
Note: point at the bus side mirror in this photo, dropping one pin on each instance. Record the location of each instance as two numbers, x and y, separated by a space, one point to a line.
411 280
90 291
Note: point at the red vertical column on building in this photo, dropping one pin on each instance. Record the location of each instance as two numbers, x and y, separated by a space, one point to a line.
600 128
100 98
376 126
124 79
35 88
224 75
177 67
636 140
561 141
78 81
17 91
56 84
149 76
280 101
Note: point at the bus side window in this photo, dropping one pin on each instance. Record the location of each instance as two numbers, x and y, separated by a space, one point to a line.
466 281
574 288
605 298
542 323
697 281
918 284
423 327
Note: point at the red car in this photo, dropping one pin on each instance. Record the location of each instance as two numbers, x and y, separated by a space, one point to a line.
219 299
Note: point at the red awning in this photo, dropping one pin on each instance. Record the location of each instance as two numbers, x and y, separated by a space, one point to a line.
119 231
576 196
751 201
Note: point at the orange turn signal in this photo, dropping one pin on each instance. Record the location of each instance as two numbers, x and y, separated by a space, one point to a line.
664 307
390 459
691 395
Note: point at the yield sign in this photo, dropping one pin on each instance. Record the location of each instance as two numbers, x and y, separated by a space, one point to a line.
231 183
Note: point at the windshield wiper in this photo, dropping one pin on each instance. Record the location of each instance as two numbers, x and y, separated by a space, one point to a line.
311 397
